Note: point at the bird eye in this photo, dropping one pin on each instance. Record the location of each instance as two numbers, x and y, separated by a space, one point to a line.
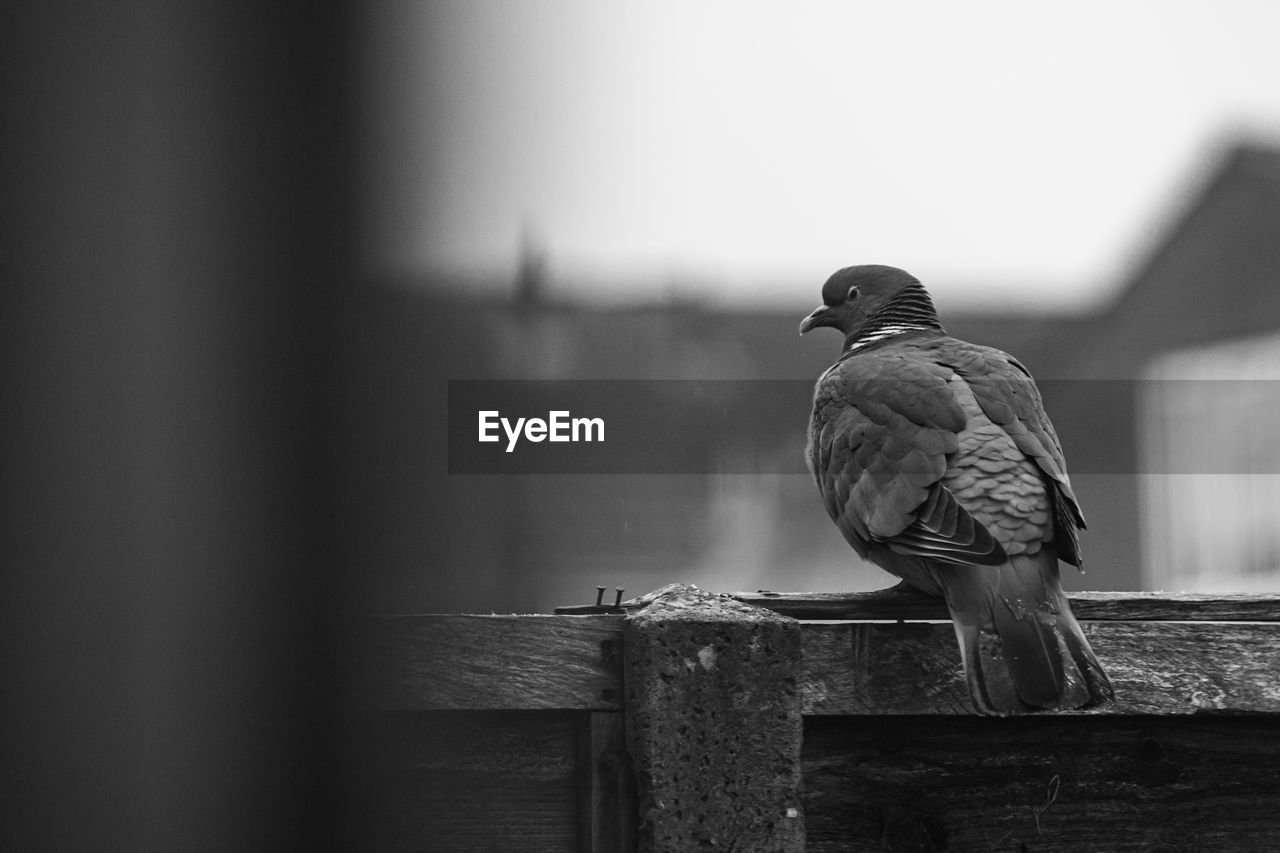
853 294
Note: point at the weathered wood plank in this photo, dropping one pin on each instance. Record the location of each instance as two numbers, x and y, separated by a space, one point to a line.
1041 784
543 662
607 793
467 781
434 662
896 603
1156 668
1174 607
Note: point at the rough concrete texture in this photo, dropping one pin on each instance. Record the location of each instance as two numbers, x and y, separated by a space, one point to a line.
713 723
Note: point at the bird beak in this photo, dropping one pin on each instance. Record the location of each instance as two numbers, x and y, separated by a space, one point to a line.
819 317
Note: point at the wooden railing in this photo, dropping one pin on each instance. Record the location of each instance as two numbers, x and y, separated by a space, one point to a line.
687 721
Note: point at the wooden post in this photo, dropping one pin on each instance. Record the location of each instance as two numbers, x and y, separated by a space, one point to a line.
607 795
714 723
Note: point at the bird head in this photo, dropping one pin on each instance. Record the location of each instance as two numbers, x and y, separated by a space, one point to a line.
861 300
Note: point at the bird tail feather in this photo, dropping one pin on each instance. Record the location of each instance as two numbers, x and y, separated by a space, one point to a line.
1022 648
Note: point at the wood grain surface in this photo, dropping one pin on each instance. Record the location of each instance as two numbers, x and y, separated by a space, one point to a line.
435 662
574 663
607 792
468 781
1156 668
897 603
1035 784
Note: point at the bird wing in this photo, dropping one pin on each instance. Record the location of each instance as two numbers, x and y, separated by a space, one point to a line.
882 427
1009 397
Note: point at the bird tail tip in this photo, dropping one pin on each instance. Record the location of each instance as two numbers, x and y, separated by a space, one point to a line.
1038 662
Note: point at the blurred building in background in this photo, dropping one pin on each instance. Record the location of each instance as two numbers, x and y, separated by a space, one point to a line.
427 539
1211 494
1210 408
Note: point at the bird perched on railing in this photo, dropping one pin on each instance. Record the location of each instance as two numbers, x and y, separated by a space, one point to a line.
936 460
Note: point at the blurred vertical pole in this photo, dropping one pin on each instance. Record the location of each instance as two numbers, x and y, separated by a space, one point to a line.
173 190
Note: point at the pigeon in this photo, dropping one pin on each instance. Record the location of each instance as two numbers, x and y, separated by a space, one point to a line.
937 462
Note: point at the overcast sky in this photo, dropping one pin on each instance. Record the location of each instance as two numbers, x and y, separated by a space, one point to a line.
1001 151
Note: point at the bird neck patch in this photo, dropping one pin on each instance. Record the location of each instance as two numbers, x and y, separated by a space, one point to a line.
866 339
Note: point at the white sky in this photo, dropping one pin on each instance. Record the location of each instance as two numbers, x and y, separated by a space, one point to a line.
1001 151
